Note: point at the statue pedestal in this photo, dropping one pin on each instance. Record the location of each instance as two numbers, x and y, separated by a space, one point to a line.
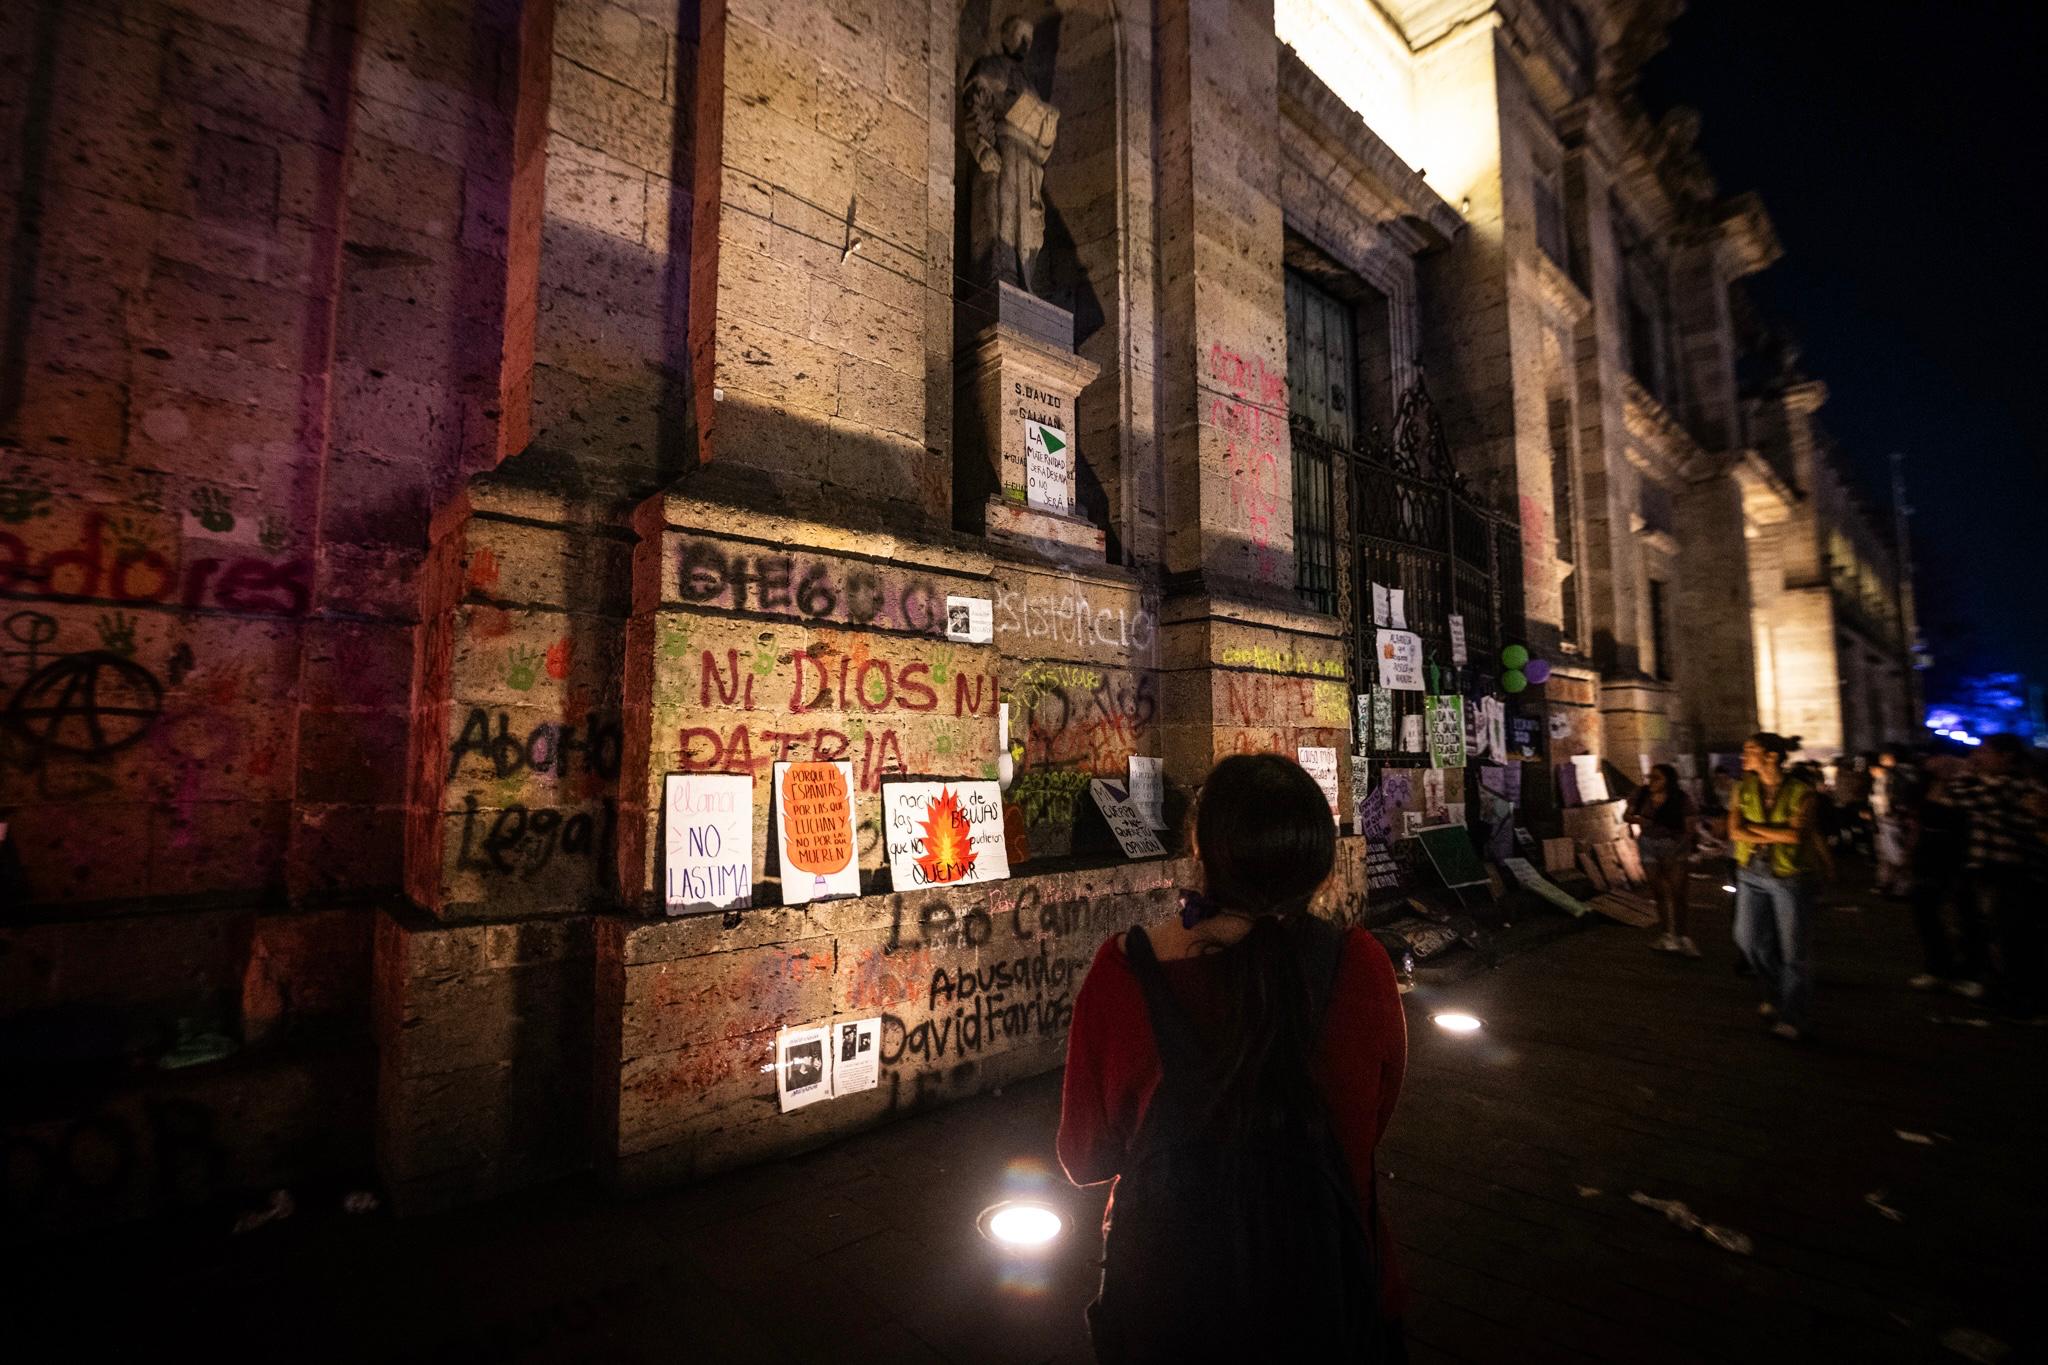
1016 387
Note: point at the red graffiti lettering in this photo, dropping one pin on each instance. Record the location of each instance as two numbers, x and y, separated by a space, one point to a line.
81 571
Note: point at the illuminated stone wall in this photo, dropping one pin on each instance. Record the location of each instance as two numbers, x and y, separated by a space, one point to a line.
426 424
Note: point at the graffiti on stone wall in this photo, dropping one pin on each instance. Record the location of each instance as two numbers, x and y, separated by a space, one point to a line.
988 976
88 704
137 558
1264 699
1272 660
1253 420
593 746
1061 613
552 800
991 1004
887 707
1081 718
524 841
821 588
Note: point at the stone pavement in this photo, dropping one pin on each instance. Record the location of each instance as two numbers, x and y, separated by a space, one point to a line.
1604 1069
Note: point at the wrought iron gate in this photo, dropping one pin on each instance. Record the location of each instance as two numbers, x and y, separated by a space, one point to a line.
1412 524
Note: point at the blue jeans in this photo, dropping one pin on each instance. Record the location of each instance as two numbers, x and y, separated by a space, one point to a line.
1773 928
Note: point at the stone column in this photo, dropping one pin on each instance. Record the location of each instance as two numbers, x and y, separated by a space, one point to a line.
482 995
1244 668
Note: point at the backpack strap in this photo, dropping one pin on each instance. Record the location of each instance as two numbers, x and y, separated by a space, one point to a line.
1184 1069
1181 1065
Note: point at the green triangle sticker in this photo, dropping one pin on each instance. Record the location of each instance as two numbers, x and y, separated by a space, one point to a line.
1053 444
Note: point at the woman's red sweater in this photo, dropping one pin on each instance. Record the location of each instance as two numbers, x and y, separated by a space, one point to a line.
1113 1064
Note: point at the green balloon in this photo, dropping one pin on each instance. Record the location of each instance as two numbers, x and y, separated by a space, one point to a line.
1512 680
1514 656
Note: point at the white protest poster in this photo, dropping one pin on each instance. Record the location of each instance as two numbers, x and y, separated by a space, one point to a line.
857 1055
970 620
1434 809
708 837
814 831
1457 639
1148 789
1048 460
1321 764
803 1066
1526 875
1592 781
1380 606
1497 727
1397 608
1411 735
1133 834
943 833
1400 660
1361 787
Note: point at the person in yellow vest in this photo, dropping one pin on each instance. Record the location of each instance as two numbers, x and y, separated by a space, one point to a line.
1775 867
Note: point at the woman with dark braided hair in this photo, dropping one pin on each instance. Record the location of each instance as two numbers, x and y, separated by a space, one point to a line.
1232 1069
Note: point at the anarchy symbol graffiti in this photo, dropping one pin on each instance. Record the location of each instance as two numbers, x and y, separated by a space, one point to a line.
90 704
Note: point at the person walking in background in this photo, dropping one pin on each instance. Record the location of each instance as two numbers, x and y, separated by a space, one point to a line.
1662 815
2006 810
1849 794
1232 1072
1934 833
1769 822
1893 794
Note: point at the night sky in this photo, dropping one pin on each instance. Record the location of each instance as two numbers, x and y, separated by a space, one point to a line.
1897 148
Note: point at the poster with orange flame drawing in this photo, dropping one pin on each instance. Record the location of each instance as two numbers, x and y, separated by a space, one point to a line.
814 831
944 833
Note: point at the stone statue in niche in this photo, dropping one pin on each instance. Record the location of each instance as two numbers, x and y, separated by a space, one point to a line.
1009 132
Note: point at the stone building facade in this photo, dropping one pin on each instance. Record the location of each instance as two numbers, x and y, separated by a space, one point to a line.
429 423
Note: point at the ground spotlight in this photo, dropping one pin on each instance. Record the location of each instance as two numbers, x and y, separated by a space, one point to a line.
1021 1225
1457 1021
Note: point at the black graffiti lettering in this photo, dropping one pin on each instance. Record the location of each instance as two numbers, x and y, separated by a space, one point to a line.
814 596
504 753
702 576
576 834
506 832
598 746
32 630
523 841
776 571
86 705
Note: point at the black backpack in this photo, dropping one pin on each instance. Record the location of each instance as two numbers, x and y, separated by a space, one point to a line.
1221 1250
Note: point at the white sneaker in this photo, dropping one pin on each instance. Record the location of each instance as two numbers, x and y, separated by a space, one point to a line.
1688 947
1790 1033
1969 990
1666 943
1926 981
